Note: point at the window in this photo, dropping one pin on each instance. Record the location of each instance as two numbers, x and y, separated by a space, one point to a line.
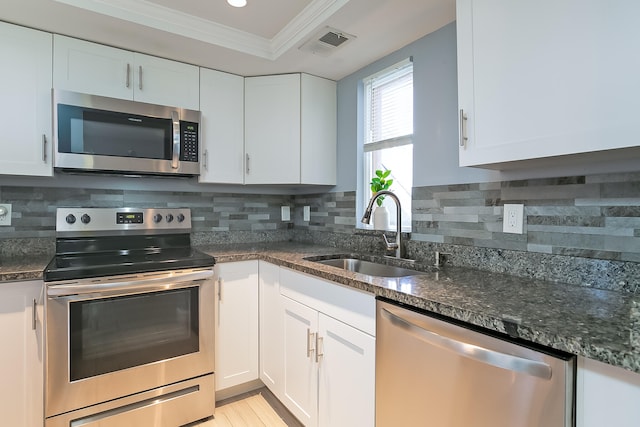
388 136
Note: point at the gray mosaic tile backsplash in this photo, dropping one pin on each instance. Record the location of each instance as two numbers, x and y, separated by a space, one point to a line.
581 229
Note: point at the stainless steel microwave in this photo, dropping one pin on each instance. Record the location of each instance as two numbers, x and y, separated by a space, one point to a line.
108 135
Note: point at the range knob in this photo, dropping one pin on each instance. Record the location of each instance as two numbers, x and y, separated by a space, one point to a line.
169 217
86 219
71 218
157 218
180 217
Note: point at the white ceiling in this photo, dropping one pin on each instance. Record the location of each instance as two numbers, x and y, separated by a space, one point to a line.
262 38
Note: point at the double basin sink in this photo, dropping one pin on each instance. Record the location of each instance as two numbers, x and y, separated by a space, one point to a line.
373 266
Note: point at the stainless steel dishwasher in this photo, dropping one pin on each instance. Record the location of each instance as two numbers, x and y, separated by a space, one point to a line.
430 372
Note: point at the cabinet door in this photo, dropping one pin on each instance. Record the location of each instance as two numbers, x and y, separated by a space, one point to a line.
346 389
546 78
272 129
85 67
318 144
606 395
25 113
237 324
21 366
222 127
300 367
164 82
271 330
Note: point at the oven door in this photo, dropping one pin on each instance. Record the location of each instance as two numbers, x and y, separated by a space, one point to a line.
112 337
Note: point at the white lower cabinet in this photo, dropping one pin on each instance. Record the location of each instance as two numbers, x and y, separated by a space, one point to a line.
271 327
346 386
21 365
606 395
236 324
329 351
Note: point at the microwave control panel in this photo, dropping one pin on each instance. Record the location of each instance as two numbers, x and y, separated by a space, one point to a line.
189 141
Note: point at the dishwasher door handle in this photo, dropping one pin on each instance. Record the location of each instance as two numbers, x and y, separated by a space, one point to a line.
471 351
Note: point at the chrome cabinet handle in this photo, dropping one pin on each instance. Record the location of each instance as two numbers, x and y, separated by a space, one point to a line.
247 161
140 77
175 119
44 148
310 336
128 80
471 351
319 348
220 289
463 128
205 160
34 314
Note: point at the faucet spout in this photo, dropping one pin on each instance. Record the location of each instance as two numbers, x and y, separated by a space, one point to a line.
366 219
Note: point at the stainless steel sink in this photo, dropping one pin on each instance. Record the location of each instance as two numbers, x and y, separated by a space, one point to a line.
370 268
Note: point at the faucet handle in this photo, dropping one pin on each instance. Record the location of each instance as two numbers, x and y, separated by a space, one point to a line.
390 245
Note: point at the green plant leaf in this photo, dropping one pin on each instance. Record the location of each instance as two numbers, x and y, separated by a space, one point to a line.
388 183
386 173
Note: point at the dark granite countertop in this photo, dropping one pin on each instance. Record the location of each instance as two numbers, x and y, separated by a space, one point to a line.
22 268
599 324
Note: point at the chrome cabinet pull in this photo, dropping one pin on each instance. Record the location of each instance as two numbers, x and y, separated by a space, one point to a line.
175 119
205 160
34 315
44 148
220 289
319 348
463 128
128 80
140 77
247 161
310 339
471 351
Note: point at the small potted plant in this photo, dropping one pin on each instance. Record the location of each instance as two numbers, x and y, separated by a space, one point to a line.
381 182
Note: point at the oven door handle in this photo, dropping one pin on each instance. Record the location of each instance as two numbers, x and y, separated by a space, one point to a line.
146 283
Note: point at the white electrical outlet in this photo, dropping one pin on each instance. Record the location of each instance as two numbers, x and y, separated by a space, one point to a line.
5 214
306 213
286 213
513 219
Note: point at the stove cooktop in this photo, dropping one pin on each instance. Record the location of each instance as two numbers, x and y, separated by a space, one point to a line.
111 242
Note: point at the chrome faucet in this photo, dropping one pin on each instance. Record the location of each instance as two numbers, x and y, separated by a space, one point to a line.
366 219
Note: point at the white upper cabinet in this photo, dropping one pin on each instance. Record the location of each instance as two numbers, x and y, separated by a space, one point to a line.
222 127
25 113
96 69
538 79
290 130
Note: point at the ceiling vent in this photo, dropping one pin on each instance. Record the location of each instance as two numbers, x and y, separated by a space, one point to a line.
326 41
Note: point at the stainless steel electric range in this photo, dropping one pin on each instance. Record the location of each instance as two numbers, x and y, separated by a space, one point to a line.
129 320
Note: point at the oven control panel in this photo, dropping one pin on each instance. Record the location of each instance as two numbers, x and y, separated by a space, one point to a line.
148 220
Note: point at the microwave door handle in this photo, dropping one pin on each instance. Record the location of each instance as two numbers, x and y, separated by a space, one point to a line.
175 119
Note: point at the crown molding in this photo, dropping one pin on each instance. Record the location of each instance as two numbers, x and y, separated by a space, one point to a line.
162 18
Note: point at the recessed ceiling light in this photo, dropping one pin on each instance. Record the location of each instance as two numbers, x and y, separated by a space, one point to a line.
237 3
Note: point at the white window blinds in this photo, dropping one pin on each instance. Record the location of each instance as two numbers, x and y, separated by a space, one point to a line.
390 107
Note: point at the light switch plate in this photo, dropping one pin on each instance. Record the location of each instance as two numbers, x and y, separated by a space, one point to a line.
286 213
5 214
513 219
306 213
